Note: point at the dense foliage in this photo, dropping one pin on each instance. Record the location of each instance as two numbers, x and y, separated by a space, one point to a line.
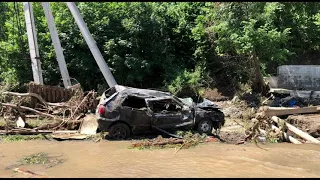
181 47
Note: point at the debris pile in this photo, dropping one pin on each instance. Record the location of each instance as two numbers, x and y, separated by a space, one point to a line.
17 107
309 123
187 141
291 101
274 129
233 109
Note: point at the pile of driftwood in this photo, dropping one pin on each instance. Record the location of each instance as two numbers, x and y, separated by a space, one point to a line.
185 142
267 125
16 108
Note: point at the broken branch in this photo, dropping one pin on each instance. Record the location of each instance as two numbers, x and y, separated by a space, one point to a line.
36 96
29 109
24 132
27 172
83 100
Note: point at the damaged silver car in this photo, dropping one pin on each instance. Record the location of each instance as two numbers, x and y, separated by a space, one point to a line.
125 110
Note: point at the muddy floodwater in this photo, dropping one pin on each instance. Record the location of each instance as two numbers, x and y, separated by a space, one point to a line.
115 159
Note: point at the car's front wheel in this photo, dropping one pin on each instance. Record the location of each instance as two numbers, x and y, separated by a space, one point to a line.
119 131
205 126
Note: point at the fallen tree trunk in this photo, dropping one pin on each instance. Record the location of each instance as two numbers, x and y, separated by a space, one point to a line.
297 131
275 111
36 96
65 132
286 136
57 124
24 132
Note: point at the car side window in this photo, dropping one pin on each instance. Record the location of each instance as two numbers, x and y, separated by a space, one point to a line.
165 105
135 102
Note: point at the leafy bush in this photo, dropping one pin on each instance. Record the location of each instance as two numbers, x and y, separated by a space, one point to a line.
189 83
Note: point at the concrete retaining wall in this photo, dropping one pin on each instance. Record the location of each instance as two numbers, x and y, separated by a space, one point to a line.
298 77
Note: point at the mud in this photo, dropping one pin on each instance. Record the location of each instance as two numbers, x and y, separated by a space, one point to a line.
309 123
114 159
231 132
215 95
231 137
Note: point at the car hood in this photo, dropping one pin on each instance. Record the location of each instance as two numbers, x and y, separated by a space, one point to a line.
205 104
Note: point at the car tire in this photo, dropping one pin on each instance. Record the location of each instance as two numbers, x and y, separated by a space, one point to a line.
205 126
119 131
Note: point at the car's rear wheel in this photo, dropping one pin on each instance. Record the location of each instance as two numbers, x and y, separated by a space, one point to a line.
205 126
119 131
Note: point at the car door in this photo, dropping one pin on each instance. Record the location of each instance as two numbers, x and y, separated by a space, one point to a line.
134 111
167 114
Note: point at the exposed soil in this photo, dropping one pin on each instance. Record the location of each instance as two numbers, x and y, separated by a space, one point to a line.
232 132
232 137
216 95
309 123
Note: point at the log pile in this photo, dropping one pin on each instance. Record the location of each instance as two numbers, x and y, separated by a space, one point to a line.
16 107
273 127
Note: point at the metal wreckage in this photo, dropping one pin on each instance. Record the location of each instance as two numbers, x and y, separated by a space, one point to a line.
125 110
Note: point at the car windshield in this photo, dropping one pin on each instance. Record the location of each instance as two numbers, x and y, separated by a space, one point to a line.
179 100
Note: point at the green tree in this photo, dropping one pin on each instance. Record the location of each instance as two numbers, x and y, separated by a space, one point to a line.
179 46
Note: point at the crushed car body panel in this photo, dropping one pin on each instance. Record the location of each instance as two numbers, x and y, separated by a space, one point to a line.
142 109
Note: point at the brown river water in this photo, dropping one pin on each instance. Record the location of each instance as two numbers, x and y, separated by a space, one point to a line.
115 159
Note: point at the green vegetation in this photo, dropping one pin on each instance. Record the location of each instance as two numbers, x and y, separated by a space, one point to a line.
41 158
182 47
13 138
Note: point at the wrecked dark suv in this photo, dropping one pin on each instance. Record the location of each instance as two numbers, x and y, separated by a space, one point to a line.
124 110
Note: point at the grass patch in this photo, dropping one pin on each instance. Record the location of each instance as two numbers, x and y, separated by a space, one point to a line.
2 122
13 138
33 122
41 158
